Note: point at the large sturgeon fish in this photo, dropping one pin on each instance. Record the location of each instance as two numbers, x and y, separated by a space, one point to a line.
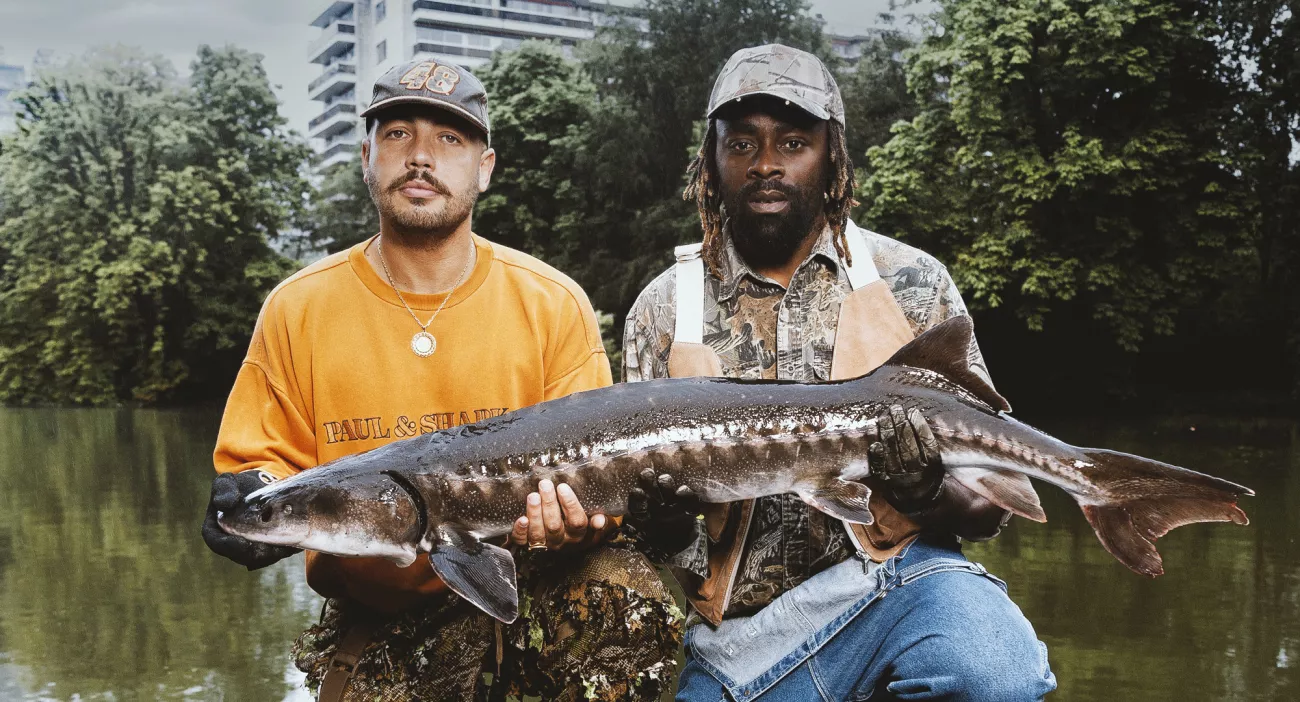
451 493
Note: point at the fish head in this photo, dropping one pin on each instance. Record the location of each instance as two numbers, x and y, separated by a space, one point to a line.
358 514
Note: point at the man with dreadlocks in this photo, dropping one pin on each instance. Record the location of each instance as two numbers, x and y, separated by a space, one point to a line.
787 604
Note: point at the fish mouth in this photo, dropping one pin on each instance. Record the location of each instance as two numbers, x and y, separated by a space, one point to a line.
251 520
421 507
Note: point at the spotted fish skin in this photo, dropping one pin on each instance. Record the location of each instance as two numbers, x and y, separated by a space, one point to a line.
452 493
727 440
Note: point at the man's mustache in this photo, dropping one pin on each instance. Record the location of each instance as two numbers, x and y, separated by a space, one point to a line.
425 177
754 187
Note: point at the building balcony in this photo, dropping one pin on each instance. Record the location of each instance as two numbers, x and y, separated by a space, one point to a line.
336 79
425 47
339 152
336 120
334 10
521 21
554 14
337 39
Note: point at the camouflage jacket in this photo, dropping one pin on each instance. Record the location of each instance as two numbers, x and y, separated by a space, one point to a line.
761 330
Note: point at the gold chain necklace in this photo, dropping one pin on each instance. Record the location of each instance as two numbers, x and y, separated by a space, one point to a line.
423 344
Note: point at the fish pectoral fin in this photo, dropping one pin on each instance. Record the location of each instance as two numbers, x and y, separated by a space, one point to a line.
1007 489
482 573
842 499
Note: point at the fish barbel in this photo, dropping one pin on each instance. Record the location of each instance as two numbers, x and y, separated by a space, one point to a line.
450 493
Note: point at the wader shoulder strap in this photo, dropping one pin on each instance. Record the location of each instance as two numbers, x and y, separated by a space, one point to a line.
689 357
862 271
690 294
871 325
871 328
346 657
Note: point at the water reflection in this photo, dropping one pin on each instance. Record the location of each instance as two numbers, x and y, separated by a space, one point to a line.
106 587
1223 623
106 590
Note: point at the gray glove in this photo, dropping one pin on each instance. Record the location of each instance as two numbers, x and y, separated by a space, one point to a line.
228 490
661 515
904 457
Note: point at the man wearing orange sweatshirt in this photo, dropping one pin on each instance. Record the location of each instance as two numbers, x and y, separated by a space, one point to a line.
426 326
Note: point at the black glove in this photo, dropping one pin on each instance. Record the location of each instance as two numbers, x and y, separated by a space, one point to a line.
662 516
904 457
228 490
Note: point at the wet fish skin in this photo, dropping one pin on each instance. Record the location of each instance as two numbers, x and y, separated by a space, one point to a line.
452 492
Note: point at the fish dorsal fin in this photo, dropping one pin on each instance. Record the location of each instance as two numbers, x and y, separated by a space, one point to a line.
946 349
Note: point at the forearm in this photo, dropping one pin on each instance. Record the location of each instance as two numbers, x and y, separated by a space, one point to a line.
373 582
956 509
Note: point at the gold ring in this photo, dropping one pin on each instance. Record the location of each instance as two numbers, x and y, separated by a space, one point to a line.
536 547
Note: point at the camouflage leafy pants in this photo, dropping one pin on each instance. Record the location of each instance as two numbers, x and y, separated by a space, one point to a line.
599 625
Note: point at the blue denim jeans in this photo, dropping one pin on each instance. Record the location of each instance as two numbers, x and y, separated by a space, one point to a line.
930 626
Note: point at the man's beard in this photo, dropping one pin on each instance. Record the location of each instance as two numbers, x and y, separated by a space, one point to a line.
421 221
770 240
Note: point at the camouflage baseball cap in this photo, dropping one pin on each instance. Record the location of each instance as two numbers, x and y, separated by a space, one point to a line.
782 72
444 86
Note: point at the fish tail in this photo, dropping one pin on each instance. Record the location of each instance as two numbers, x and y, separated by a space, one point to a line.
1170 497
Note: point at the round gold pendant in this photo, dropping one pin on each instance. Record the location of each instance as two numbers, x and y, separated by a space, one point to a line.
423 344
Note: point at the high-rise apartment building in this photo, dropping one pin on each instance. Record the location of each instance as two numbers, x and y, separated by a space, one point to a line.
360 39
849 48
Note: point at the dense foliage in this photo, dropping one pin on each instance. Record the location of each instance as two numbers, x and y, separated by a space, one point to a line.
1094 168
136 214
341 212
1262 50
540 105
1068 150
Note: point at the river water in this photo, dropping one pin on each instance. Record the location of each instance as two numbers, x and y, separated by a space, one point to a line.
107 591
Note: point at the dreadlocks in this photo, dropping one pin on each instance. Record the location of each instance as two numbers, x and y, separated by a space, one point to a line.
704 189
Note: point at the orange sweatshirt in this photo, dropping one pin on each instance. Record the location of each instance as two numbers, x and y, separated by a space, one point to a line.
330 372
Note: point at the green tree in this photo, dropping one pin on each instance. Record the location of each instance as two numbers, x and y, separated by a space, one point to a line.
1261 43
341 212
875 93
1069 161
137 211
540 101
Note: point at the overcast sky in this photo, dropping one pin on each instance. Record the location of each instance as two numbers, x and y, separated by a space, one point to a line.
277 29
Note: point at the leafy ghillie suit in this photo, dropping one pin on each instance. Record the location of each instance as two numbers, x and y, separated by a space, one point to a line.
597 626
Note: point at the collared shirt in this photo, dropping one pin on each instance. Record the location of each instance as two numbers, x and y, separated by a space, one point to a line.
760 329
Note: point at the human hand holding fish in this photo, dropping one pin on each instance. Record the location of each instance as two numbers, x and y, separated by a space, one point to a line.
228 490
662 515
904 457
448 493
554 518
